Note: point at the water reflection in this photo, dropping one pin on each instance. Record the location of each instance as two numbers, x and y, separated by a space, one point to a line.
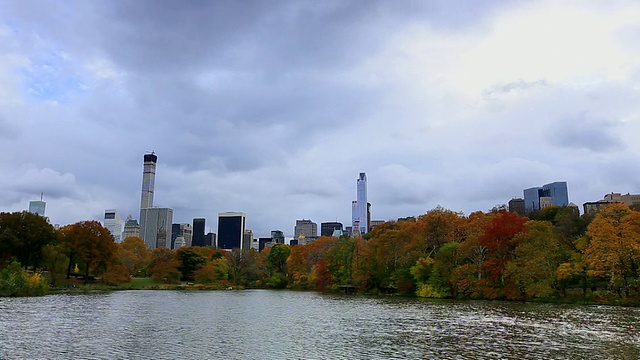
258 324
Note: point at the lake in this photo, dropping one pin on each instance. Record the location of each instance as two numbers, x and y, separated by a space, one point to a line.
266 324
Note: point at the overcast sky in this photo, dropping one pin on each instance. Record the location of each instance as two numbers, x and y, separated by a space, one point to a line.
274 107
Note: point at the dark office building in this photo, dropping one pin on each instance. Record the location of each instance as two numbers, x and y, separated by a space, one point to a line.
262 243
175 232
230 230
210 239
327 228
198 232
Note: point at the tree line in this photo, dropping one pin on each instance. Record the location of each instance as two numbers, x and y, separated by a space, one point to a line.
552 254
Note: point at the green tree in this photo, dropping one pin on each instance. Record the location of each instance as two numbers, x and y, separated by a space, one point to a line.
191 258
536 260
277 258
56 262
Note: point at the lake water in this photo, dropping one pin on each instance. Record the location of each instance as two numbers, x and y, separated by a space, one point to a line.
263 324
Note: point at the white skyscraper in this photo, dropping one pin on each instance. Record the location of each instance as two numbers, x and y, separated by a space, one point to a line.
360 218
114 224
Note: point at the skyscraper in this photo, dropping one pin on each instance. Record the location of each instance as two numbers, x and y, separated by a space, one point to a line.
155 223
148 180
231 230
113 223
359 208
198 232
37 207
155 227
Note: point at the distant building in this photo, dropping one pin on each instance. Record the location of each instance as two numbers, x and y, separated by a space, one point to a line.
197 238
594 206
178 243
155 227
516 205
131 228
210 239
305 227
327 228
262 243
552 194
277 237
181 230
627 199
231 226
247 239
37 207
375 223
113 223
294 242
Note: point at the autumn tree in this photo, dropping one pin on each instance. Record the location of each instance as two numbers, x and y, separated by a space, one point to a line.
614 248
435 228
242 266
498 238
92 243
163 266
133 255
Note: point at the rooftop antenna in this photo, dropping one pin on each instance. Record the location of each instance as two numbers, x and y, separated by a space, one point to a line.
41 196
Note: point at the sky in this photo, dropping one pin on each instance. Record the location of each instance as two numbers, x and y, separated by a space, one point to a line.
273 108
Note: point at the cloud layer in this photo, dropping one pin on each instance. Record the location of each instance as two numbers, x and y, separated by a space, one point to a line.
274 108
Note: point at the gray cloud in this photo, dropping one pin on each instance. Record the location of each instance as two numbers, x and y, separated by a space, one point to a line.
273 108
585 132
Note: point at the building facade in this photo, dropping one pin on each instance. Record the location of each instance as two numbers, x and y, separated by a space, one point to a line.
360 208
198 232
552 194
247 239
516 205
305 227
277 237
231 226
37 207
148 180
327 228
131 228
114 224
181 230
155 227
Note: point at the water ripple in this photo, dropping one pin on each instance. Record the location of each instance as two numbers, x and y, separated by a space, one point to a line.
260 324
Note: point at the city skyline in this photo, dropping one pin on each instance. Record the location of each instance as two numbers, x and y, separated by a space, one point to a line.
273 109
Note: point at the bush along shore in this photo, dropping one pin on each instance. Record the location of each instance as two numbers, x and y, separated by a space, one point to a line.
554 255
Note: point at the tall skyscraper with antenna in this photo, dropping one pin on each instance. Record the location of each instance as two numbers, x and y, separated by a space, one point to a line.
359 208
